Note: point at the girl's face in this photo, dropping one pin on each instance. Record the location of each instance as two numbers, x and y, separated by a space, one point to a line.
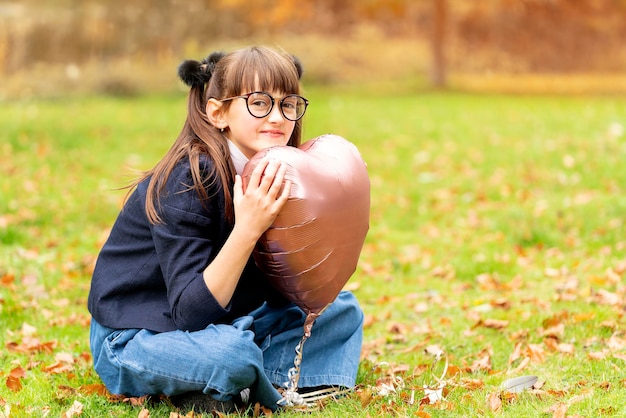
251 134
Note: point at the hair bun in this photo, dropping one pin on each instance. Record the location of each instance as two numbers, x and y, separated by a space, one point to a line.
190 72
298 64
197 74
211 61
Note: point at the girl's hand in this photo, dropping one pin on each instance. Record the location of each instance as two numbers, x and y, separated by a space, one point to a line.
258 207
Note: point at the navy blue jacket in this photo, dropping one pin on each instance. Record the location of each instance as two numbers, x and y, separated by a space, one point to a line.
150 276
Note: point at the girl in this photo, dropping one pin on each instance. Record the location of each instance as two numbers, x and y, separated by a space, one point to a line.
178 306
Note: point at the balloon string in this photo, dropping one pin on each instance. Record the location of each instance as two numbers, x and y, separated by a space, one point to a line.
291 397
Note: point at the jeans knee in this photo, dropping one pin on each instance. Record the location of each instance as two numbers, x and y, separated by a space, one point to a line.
349 309
239 358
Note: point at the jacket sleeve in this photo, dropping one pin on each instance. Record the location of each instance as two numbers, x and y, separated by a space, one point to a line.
189 238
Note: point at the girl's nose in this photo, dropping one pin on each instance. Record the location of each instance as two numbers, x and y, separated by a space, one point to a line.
276 115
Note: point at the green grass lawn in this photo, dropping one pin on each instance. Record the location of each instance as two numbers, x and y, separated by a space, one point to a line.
498 236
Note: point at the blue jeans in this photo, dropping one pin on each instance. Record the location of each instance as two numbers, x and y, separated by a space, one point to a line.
255 351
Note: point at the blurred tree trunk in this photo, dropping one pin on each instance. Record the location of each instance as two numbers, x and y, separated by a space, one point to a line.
440 17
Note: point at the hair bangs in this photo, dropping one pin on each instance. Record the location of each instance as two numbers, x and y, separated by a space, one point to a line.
263 69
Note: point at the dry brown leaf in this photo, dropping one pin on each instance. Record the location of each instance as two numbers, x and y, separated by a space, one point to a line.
136 401
57 368
598 355
482 363
604 297
616 343
579 398
75 410
18 372
539 384
559 410
536 353
64 358
494 402
7 279
366 397
557 331
565 348
434 350
13 383
516 354
453 370
501 303
620 356
471 384
144 413
94 389
397 328
495 323
523 364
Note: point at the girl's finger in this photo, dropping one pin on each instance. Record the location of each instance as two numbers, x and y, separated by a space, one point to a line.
238 188
284 196
257 173
277 180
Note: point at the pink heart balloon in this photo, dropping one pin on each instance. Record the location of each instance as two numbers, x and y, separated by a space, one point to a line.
313 246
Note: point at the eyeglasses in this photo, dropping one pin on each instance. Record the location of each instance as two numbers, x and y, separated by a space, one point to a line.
260 104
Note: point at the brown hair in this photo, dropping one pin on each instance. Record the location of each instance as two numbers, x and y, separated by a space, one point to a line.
219 76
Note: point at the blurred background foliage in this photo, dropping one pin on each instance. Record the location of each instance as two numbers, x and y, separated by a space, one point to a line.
61 47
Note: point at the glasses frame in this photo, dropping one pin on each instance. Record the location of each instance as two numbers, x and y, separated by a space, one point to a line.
280 103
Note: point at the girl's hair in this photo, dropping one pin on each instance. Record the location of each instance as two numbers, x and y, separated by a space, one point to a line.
219 76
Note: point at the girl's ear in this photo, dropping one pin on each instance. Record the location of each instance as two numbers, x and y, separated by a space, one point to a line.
215 114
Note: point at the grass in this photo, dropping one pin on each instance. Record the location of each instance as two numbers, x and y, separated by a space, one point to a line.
485 208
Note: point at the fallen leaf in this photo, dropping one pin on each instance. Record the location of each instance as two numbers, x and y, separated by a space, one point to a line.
433 395
366 397
523 364
18 372
516 354
94 389
556 331
75 410
559 410
144 413
620 356
494 402
483 362
495 323
14 383
536 353
57 368
434 350
598 355
471 384
616 343
579 398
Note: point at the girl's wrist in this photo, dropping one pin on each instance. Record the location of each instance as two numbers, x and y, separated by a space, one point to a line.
245 235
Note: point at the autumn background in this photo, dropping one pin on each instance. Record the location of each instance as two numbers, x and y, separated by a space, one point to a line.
494 136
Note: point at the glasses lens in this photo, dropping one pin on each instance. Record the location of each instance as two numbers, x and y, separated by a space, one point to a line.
293 107
260 104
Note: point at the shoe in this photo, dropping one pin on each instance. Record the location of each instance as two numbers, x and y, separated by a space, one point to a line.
202 403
